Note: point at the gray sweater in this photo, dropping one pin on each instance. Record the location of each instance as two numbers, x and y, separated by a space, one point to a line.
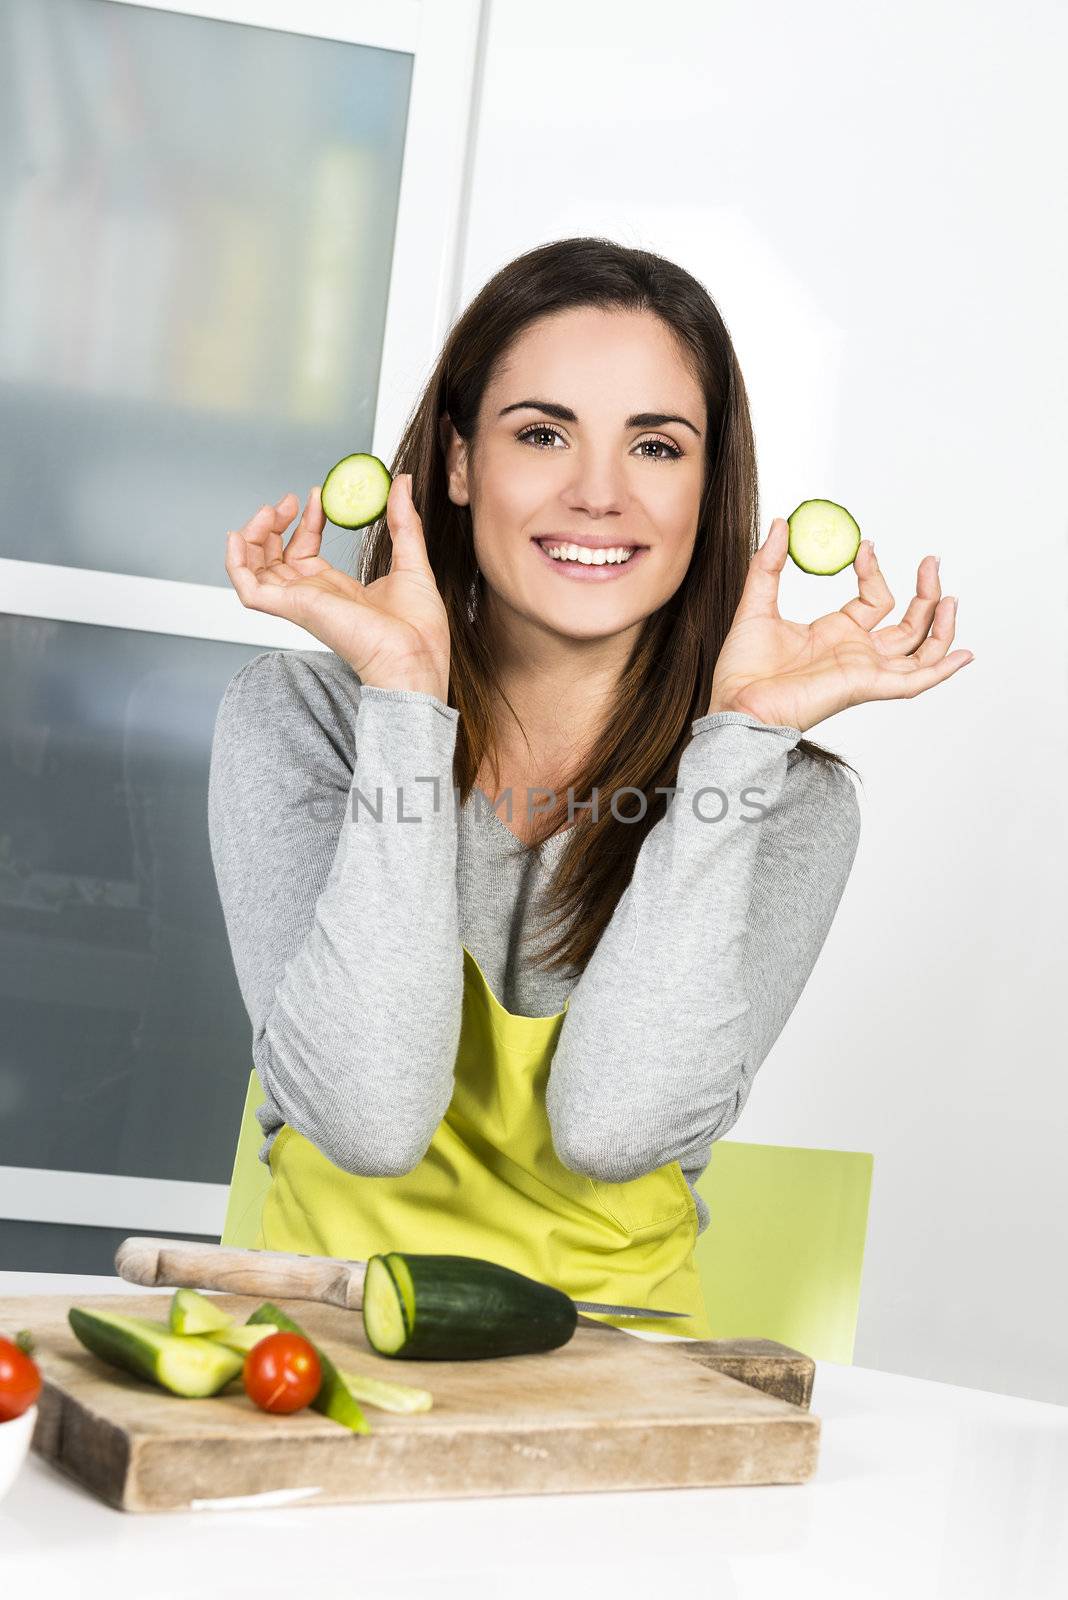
347 931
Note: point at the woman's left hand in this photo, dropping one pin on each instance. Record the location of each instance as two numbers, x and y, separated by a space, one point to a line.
794 674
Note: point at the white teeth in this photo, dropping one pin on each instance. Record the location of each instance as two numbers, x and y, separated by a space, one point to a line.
589 558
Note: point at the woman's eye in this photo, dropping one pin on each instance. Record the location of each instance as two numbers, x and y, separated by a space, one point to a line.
672 451
539 430
530 433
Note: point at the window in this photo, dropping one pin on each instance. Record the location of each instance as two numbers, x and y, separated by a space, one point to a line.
227 254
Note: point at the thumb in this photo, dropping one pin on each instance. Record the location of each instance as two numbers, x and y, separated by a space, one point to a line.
405 528
760 596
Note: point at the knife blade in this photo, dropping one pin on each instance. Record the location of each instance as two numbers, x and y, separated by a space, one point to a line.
624 1311
190 1264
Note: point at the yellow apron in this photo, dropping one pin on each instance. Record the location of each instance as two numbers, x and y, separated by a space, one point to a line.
492 1186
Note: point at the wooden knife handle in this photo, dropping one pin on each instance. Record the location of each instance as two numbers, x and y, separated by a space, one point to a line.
188 1264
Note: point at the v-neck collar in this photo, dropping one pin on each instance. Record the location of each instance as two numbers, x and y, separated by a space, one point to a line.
502 830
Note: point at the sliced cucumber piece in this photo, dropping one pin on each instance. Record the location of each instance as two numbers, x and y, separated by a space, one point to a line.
335 1400
457 1308
387 1396
355 491
824 538
400 1272
186 1364
195 1313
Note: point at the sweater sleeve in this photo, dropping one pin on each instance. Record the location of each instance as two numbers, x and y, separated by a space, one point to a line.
708 949
341 904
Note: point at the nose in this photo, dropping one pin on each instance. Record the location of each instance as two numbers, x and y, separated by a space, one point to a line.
596 486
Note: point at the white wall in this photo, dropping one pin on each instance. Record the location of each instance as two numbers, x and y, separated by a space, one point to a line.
874 198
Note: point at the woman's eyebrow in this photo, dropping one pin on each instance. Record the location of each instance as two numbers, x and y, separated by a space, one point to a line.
640 419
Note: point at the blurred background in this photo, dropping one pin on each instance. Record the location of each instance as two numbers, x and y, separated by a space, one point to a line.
232 242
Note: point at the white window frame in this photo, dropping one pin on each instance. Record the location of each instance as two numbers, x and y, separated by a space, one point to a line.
423 300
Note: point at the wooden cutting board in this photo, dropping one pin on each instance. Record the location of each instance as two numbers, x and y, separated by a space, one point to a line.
605 1411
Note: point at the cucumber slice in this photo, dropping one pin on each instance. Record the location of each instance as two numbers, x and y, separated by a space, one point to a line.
355 491
460 1308
335 1400
186 1364
824 538
195 1313
387 1396
402 1277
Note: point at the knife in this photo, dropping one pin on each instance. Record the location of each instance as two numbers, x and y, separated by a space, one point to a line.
189 1264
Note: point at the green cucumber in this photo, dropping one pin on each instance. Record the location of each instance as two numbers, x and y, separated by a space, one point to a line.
185 1364
460 1308
355 491
824 538
334 1400
195 1313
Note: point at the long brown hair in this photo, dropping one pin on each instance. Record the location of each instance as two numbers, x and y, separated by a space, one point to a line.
667 682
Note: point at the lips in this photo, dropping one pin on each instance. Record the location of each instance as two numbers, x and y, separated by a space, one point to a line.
587 543
591 572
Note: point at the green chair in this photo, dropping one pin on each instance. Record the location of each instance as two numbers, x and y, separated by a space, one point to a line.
780 1259
782 1254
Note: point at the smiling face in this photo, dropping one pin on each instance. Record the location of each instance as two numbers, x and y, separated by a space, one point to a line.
589 444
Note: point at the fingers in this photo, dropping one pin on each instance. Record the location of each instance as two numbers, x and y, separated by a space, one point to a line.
924 634
904 677
934 647
405 528
875 600
252 588
912 680
308 536
760 595
263 531
913 628
252 553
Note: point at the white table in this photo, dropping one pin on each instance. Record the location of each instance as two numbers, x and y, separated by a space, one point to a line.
923 1489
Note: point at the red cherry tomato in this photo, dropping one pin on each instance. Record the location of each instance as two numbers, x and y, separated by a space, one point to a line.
20 1380
282 1372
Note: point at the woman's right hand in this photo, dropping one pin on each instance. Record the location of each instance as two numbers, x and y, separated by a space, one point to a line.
394 632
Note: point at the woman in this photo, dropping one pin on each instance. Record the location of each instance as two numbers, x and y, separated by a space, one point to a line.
432 1082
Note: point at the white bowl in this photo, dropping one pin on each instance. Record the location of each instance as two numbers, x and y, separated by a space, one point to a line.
15 1436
